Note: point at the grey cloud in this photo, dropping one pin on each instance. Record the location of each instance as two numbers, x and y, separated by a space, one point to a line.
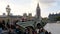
47 1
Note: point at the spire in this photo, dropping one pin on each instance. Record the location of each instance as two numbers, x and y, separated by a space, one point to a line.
38 12
38 5
38 8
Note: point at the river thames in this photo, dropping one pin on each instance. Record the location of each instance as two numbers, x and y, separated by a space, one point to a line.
54 28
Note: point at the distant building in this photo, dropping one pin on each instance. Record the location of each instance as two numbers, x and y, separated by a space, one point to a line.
52 17
25 17
33 20
9 16
30 16
38 14
12 17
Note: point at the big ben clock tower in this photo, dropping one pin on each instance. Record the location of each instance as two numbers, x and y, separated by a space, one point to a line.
38 13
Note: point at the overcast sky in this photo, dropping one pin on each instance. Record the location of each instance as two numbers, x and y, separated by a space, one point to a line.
18 7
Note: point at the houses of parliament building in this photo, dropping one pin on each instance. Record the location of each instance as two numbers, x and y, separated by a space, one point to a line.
13 18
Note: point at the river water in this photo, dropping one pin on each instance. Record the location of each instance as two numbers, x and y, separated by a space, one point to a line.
54 28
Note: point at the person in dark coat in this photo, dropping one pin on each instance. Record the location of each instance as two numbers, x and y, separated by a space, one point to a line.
49 32
11 31
46 32
18 31
26 31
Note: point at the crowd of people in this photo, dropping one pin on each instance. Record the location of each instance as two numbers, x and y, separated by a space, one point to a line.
15 29
31 30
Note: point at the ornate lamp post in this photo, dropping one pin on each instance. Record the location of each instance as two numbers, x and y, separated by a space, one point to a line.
8 13
8 10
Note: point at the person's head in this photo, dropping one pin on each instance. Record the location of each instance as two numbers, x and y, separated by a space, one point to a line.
45 30
39 30
42 29
49 32
10 29
26 30
17 26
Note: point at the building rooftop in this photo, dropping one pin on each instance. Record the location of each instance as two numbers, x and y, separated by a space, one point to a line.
12 16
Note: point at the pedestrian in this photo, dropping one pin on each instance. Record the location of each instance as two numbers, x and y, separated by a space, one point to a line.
46 32
34 32
18 31
49 32
1 27
41 31
26 31
11 31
